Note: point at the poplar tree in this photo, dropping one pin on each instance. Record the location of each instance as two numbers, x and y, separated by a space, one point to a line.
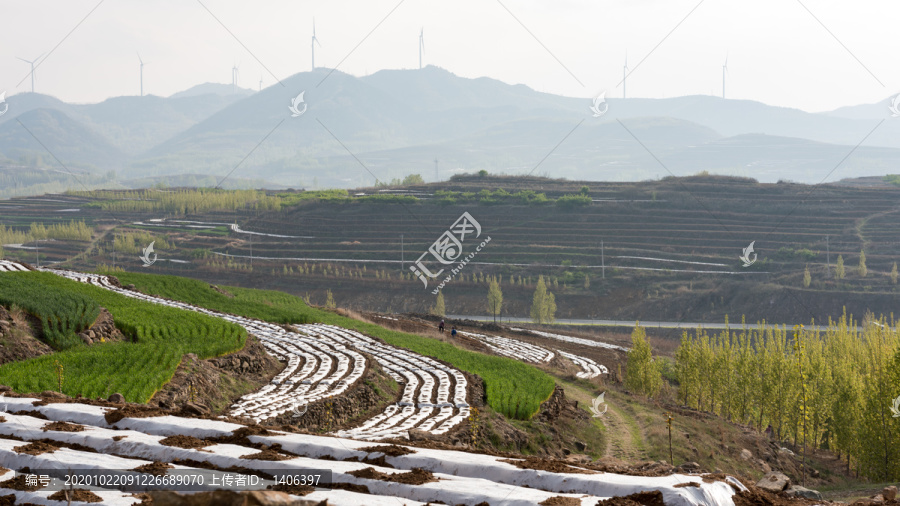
543 303
644 376
495 299
438 309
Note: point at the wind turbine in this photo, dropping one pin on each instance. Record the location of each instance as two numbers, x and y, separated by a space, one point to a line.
234 78
142 73
724 70
624 74
421 45
313 45
260 83
32 68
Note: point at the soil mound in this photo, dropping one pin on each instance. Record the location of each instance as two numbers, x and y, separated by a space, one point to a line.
182 441
654 498
156 468
63 427
36 448
539 464
415 477
78 494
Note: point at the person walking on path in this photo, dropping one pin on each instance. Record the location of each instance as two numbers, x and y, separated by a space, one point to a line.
453 331
441 326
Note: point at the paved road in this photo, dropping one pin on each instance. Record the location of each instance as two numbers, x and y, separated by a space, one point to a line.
626 323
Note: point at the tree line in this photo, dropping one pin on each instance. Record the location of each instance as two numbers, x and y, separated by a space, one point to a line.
830 389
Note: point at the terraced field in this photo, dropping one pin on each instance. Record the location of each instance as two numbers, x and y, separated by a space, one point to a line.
323 361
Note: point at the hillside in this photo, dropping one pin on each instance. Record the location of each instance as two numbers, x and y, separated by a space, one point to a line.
398 122
562 434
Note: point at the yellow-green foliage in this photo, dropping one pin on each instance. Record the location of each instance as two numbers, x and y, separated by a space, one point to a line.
134 242
181 202
840 382
72 231
644 374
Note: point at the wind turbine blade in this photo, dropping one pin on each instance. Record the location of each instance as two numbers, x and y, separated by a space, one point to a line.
24 60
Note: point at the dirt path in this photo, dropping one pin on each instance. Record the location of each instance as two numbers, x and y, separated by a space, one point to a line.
624 439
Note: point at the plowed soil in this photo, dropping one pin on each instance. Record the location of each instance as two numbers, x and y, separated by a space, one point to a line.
654 498
156 468
182 441
63 427
78 494
35 448
415 477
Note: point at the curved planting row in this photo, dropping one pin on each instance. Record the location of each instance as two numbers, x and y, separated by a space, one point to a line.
513 348
7 266
589 368
316 369
323 362
574 340
528 352
434 395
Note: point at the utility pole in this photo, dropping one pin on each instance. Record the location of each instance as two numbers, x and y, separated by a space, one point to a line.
828 255
437 176
602 261
401 253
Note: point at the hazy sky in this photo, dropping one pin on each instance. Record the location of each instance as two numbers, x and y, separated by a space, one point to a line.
778 52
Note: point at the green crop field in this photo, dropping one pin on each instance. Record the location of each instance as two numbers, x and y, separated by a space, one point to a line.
159 336
513 388
267 305
62 312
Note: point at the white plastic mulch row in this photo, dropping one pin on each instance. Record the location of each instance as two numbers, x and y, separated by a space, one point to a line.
427 402
490 471
576 340
513 348
324 361
7 266
110 497
295 386
589 368
449 489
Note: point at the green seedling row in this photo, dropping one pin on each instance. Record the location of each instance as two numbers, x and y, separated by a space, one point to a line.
158 336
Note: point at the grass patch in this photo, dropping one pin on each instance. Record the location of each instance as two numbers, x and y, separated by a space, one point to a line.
160 336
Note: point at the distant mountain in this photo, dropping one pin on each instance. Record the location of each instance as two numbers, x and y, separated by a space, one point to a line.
132 124
879 110
51 134
213 89
396 122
